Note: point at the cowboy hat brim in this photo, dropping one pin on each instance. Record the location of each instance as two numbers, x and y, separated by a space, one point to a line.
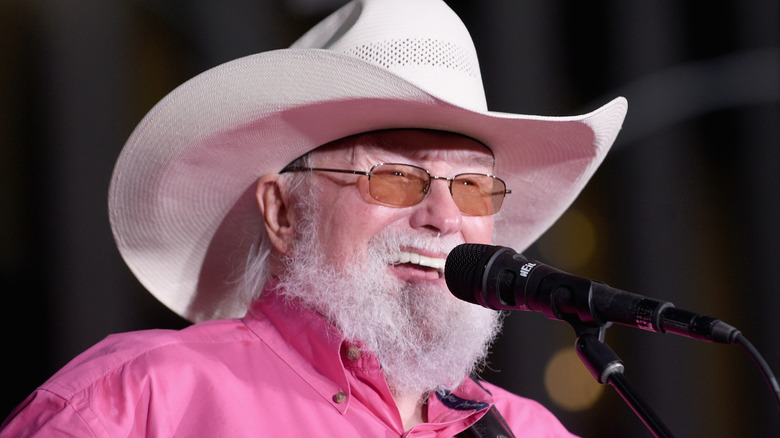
181 200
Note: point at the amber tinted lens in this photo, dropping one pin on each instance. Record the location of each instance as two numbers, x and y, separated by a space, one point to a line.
398 184
478 195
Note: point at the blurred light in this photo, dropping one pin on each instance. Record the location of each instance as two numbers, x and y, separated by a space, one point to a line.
569 384
571 242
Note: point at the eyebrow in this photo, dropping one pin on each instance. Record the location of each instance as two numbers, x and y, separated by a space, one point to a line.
487 161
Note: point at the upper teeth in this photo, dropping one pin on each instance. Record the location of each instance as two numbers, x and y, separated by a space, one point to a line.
419 259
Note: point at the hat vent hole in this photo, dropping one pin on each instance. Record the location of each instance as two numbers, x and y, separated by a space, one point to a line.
421 52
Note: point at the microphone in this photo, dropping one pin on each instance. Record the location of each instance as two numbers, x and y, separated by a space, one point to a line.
499 278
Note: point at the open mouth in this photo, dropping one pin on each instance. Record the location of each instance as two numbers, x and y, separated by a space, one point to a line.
419 260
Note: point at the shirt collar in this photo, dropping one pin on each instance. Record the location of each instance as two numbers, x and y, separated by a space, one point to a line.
303 339
314 347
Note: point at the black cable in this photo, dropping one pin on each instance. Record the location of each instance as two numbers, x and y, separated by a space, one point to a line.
762 365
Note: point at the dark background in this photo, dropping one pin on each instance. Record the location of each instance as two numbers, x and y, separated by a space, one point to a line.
685 208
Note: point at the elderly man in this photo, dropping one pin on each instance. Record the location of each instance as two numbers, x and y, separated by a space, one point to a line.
298 205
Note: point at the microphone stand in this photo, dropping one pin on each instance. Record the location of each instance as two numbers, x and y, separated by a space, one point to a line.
607 367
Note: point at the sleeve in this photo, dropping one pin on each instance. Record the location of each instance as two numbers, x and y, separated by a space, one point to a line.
44 414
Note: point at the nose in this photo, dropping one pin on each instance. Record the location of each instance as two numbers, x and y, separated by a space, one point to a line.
438 212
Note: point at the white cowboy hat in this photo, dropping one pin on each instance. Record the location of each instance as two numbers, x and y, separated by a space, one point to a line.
181 200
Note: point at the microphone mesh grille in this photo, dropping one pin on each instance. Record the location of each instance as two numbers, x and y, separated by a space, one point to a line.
461 267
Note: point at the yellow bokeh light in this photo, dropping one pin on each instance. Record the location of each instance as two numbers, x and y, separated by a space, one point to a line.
571 242
569 384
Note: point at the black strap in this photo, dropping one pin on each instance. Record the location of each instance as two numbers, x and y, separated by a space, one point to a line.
491 425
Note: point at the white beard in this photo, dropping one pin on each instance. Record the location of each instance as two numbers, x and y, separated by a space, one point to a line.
425 338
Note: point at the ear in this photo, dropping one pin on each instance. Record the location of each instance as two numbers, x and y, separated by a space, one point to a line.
274 208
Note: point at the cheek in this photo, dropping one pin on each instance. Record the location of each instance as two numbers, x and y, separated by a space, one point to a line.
346 230
477 229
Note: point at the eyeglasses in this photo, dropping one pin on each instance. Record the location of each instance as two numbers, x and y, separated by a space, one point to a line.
405 185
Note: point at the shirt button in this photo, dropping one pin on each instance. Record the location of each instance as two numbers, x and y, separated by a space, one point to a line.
340 397
353 353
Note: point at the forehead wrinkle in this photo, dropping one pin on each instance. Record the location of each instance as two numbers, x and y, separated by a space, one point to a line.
372 142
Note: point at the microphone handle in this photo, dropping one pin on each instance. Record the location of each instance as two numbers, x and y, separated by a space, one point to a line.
657 316
599 303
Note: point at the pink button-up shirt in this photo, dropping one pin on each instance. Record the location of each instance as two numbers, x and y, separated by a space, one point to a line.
279 371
